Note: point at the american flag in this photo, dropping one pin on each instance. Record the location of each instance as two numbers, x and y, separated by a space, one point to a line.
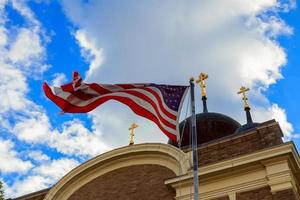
158 103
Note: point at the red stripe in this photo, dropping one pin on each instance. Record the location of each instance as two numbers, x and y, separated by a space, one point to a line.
83 96
63 104
126 86
154 106
78 109
144 113
101 90
136 94
98 88
79 94
153 92
68 107
67 87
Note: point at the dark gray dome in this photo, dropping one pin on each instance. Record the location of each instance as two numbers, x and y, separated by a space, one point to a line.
246 127
210 126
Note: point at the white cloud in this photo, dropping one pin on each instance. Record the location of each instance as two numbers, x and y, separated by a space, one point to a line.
89 51
170 41
9 159
20 60
30 184
71 138
3 36
280 115
13 88
76 139
33 127
26 48
38 156
113 120
43 176
59 79
26 12
56 169
22 56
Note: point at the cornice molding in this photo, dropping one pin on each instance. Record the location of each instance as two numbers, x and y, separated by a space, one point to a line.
272 166
257 156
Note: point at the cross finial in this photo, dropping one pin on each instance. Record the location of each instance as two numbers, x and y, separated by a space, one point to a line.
243 91
201 81
131 129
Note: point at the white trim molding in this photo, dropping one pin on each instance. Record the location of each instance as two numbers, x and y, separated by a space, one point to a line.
269 167
140 154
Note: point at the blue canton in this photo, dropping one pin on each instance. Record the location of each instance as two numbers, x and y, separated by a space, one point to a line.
172 95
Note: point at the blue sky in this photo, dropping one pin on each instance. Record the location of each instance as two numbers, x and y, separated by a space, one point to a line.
254 43
285 91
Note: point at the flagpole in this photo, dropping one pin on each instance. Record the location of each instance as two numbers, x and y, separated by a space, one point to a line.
194 141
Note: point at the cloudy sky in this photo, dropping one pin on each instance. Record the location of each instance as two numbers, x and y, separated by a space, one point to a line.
255 43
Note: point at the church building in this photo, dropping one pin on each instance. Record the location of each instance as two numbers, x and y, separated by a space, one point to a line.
235 162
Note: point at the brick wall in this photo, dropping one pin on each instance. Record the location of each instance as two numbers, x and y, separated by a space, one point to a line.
222 198
39 195
258 194
265 194
236 145
129 183
284 195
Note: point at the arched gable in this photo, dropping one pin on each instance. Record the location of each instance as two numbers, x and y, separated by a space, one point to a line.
142 154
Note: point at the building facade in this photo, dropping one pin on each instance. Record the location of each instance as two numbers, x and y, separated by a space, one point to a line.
249 162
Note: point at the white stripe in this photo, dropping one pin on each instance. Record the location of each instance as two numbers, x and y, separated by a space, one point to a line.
57 90
87 90
179 112
112 88
90 91
115 88
78 102
153 98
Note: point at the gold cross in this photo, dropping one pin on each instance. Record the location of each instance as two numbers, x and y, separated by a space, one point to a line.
243 91
131 129
201 81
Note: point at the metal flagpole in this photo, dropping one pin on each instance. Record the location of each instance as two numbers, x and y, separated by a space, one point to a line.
194 141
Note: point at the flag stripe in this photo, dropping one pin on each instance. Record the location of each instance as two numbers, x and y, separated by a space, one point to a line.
99 89
159 103
126 86
94 90
143 97
135 107
166 121
154 100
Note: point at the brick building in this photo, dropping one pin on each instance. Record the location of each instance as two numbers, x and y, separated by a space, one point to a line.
249 162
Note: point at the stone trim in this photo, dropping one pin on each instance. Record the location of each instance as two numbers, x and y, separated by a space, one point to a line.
149 153
265 168
232 196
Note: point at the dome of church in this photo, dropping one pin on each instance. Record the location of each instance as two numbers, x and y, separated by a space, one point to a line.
249 125
210 126
246 127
